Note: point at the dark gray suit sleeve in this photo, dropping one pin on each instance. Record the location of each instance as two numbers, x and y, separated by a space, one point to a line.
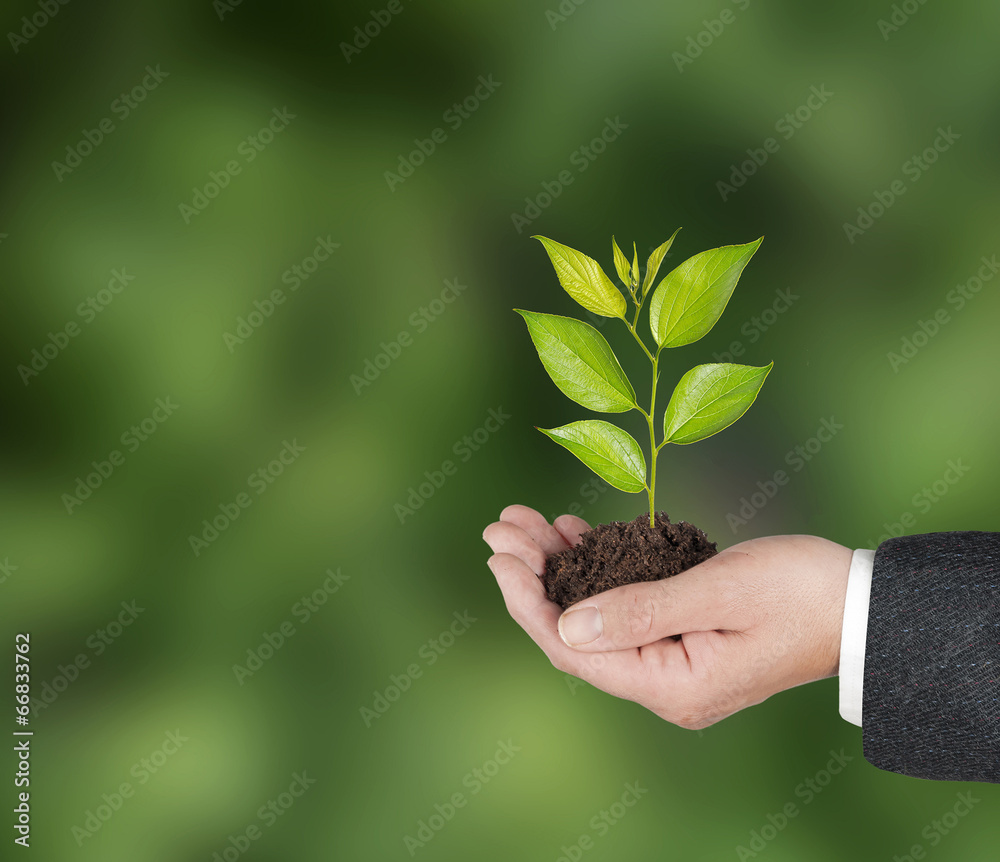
931 702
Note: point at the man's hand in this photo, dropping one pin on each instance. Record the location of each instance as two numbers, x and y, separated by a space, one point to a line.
757 618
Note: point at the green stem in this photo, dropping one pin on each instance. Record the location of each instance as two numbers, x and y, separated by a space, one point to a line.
650 421
635 335
653 449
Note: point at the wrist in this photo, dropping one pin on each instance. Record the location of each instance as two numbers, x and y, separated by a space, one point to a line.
834 572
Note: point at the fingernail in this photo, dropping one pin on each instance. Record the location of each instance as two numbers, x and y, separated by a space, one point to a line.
581 626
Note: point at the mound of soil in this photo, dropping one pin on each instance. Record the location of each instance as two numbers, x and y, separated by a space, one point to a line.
624 553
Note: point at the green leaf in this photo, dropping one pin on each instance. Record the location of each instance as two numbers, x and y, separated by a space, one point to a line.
710 398
655 259
580 362
584 280
635 267
621 262
610 452
690 300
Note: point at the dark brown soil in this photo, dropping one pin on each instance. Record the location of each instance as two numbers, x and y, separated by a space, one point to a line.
624 553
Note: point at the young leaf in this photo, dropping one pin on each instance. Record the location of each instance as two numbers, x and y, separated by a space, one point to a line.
655 259
584 280
580 362
635 267
689 301
621 262
710 398
610 452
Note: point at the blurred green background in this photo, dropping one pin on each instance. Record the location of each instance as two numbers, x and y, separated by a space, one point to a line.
557 75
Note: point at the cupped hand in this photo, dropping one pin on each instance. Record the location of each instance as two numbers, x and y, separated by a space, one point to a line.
758 618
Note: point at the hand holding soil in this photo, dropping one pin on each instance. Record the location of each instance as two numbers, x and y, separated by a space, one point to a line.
755 619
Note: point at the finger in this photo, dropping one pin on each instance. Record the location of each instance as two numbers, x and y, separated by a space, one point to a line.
534 524
523 592
637 614
621 673
708 678
571 527
506 538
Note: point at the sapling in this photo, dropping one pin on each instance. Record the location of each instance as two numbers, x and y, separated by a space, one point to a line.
683 308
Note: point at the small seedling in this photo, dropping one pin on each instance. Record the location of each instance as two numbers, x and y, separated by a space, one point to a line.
684 307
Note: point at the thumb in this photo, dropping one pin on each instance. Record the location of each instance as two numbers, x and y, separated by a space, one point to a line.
638 614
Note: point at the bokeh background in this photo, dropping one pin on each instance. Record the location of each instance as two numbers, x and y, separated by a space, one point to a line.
559 73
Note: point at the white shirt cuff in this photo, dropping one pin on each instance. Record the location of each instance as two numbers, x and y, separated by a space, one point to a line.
855 635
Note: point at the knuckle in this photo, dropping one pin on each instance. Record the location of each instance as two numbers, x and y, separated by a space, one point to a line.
640 614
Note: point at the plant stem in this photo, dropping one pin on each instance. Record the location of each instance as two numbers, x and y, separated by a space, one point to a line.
650 416
653 450
635 335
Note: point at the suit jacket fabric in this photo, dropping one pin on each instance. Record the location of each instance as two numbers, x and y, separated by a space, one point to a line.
931 701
